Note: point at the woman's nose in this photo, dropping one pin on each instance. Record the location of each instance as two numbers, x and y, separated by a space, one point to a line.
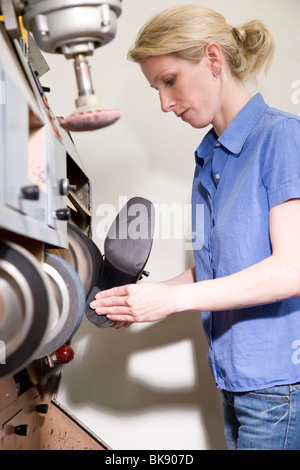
167 103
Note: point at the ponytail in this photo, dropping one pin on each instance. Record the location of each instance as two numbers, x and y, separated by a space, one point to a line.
255 49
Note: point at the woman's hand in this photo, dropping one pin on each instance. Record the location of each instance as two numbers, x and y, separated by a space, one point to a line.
136 303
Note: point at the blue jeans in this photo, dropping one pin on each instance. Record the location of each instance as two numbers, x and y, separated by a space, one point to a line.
267 419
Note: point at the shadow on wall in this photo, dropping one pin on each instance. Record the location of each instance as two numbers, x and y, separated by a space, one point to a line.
105 383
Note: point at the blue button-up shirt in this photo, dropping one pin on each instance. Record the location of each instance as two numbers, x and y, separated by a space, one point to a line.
253 166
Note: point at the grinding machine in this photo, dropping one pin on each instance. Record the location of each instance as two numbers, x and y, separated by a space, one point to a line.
48 261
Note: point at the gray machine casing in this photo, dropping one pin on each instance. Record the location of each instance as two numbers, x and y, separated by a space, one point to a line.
43 188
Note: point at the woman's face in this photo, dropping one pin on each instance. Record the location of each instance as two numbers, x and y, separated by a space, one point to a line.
187 88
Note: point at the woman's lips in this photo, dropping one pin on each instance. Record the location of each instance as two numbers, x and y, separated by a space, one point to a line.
182 115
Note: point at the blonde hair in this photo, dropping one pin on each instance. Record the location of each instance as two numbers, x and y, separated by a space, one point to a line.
185 31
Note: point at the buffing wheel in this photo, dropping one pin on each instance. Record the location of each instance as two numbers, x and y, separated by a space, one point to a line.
90 120
87 258
83 255
69 298
25 307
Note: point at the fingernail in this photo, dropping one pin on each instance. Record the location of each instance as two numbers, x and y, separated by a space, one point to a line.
93 304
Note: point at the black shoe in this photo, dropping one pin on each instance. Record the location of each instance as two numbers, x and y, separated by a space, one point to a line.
127 248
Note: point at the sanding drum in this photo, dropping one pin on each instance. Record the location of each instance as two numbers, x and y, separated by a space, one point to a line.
42 304
76 28
26 307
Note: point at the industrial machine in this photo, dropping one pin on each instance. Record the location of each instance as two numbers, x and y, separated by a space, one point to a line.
48 261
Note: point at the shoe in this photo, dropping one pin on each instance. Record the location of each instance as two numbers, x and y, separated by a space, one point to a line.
126 249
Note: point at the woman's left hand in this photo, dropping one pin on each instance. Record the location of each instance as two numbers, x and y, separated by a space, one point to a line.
136 303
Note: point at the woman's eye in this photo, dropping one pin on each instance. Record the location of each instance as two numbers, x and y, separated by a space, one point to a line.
170 81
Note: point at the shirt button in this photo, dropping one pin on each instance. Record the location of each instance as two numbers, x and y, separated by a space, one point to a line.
217 176
217 145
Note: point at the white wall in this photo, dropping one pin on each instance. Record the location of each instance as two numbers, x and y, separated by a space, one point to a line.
149 387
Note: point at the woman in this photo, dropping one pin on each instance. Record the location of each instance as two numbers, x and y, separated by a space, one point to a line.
246 280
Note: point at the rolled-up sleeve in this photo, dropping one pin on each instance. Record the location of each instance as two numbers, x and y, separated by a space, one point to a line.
281 166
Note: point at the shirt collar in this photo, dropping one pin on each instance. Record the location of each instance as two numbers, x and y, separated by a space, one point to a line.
235 135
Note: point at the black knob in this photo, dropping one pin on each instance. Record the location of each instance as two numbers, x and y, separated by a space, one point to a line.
31 192
63 214
21 430
42 408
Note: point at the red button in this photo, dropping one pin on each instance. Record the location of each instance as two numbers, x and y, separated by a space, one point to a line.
65 354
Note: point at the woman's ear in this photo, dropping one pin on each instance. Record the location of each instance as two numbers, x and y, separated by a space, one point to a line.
214 54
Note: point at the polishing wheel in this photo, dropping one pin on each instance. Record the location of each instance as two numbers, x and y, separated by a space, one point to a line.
83 255
25 307
86 257
69 305
76 28
90 119
90 114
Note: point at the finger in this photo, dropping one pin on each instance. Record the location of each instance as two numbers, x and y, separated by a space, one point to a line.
114 291
127 319
114 311
119 324
110 302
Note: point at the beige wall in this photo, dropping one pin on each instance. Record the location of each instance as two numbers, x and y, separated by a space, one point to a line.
149 387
